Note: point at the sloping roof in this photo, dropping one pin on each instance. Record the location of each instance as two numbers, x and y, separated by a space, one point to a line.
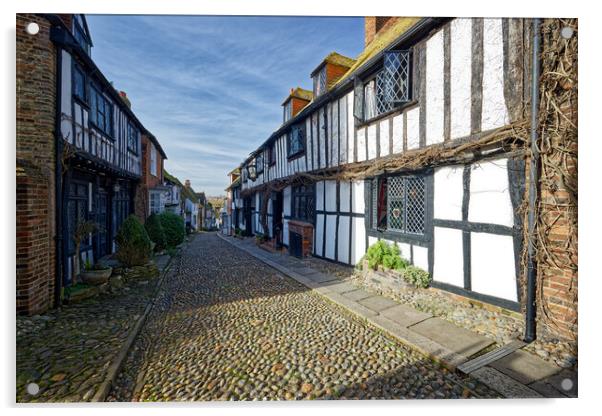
380 42
301 93
335 58
172 178
188 192
234 184
156 143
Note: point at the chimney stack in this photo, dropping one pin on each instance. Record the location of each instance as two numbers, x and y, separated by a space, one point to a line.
187 183
125 98
373 25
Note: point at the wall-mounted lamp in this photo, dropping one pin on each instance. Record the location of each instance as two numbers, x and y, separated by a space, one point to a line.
252 171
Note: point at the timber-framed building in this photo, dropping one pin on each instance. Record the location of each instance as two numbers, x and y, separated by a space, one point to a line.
420 140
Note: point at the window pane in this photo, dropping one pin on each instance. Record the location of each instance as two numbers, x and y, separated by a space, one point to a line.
395 204
369 101
397 76
416 204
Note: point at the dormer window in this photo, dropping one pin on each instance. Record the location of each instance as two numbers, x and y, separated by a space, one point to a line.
80 34
288 111
386 90
320 82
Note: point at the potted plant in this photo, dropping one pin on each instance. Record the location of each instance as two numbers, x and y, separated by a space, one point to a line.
96 274
83 230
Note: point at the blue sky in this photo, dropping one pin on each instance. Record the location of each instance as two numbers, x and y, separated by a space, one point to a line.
210 88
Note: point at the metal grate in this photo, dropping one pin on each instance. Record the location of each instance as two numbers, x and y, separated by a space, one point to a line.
396 77
415 197
395 203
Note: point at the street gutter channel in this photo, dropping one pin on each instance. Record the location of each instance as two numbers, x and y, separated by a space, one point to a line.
105 387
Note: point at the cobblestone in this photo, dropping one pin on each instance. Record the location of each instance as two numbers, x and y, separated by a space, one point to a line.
227 327
67 351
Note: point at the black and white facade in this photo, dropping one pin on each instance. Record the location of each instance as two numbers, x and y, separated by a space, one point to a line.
101 147
440 82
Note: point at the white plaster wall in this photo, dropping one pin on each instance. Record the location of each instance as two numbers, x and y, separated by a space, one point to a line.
448 266
323 137
413 128
343 236
314 127
384 138
358 197
334 150
421 258
460 76
343 130
434 89
286 200
344 189
66 125
350 129
405 250
371 141
493 270
320 196
359 240
372 240
398 133
285 231
449 193
331 222
361 144
489 194
331 195
495 113
319 234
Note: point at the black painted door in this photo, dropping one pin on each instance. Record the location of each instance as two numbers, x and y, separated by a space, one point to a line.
102 218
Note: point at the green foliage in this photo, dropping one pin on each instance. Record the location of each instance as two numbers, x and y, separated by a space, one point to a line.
416 276
133 243
88 265
173 227
155 231
388 256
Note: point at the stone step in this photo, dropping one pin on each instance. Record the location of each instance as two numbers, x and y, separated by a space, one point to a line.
483 360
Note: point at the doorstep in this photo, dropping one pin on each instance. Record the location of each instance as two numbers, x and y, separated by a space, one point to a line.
517 375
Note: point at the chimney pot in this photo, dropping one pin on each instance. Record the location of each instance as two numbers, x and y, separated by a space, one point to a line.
187 183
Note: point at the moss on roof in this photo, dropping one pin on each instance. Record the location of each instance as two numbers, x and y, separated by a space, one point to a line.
336 58
301 93
172 178
380 42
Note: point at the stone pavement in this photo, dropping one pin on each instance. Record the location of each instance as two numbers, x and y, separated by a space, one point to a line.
518 374
225 326
69 352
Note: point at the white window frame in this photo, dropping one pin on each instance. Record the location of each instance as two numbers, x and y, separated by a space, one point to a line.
153 160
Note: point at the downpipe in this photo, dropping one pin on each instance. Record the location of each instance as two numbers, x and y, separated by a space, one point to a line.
530 325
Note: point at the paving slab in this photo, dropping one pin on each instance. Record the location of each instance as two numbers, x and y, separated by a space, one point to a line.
505 385
565 382
459 340
378 303
405 315
303 270
321 277
340 287
524 367
357 294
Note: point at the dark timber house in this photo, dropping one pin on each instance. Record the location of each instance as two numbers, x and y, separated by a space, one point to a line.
79 142
422 88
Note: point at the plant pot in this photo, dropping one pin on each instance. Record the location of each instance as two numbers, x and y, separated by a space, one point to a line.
96 277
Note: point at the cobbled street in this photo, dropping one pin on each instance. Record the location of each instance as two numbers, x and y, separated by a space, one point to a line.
227 327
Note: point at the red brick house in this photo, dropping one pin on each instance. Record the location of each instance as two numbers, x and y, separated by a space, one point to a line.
151 194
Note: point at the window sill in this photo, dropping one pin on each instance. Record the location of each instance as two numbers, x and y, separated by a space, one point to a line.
379 117
102 132
399 237
295 156
81 102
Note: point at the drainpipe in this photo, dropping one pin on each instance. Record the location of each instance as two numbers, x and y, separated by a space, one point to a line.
58 185
530 333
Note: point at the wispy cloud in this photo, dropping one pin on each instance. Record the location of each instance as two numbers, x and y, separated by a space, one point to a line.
210 87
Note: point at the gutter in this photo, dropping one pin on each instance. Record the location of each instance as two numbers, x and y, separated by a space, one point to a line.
530 324
58 184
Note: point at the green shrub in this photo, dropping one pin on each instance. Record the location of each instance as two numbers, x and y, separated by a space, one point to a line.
388 256
155 231
375 254
416 276
173 227
133 244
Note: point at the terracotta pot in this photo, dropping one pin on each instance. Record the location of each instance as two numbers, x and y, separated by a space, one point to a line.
96 277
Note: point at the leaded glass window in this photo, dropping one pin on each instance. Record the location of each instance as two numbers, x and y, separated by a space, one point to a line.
79 83
303 203
296 140
320 82
101 112
132 138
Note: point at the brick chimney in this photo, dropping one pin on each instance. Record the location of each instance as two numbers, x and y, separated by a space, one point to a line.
373 25
187 183
125 98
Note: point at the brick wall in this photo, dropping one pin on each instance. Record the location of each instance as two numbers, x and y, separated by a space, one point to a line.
147 180
35 207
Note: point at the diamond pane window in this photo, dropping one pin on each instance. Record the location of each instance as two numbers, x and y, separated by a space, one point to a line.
416 201
395 204
296 140
320 82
